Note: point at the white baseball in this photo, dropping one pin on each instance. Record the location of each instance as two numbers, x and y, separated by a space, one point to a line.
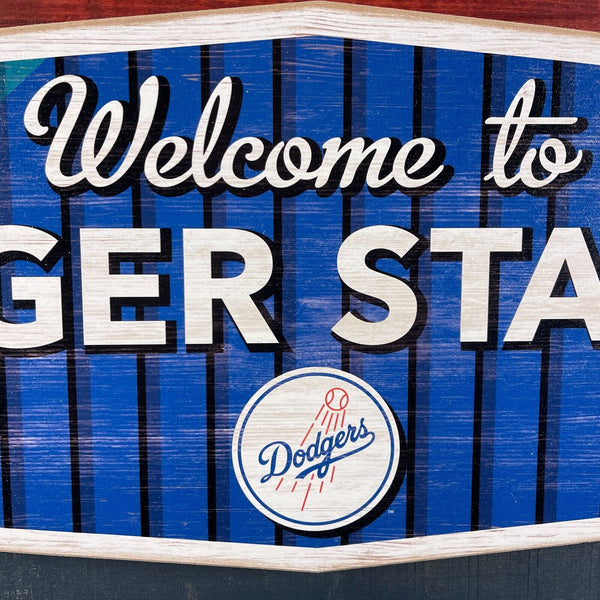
336 398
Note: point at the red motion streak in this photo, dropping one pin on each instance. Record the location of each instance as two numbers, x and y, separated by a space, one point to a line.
306 497
307 434
329 424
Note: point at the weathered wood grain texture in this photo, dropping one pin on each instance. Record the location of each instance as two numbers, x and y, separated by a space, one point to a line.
565 573
517 563
301 559
581 15
285 21
295 20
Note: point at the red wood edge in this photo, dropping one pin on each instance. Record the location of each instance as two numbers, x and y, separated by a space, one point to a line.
583 15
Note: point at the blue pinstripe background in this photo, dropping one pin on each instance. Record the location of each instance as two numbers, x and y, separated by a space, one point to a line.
91 454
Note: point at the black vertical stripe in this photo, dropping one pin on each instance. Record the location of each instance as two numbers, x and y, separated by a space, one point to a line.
217 359
555 109
277 199
204 97
136 191
424 101
479 375
277 223
136 213
277 91
347 131
69 335
143 445
546 352
211 459
353 206
346 198
542 435
284 221
411 429
477 432
486 112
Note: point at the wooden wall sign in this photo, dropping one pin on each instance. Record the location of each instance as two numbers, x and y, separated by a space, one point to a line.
313 276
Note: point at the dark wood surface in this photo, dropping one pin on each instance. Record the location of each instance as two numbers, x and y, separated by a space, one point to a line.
560 13
565 573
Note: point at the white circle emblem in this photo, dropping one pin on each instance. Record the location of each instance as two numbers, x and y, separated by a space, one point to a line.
316 449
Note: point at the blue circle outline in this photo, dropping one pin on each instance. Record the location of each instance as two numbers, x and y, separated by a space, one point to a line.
270 389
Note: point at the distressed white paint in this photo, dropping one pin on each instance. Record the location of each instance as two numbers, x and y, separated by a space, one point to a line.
297 20
288 558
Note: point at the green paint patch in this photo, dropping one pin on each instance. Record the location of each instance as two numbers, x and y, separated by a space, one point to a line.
16 72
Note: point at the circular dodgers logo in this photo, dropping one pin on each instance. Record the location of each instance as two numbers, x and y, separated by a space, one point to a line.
316 449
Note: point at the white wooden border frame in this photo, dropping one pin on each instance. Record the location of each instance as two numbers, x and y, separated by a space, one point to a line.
296 20
292 558
285 21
